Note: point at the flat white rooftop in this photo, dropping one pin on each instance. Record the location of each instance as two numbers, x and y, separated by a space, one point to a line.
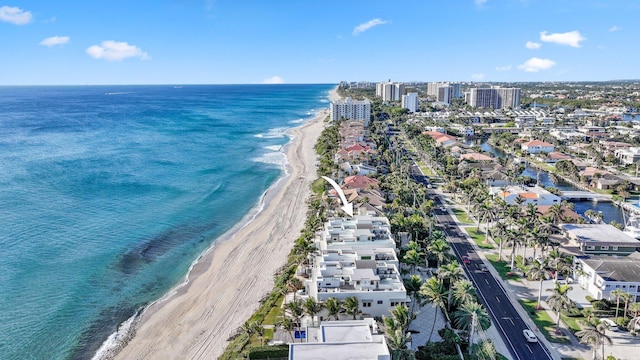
376 350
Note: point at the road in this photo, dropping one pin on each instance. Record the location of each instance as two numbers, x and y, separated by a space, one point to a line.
490 291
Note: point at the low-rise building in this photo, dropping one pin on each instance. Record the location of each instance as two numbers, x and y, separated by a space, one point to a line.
599 239
602 274
536 147
347 339
531 194
628 156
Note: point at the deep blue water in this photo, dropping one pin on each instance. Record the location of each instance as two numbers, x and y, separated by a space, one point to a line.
109 193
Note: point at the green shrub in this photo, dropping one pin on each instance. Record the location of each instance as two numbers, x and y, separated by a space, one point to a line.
266 352
573 312
601 305
623 322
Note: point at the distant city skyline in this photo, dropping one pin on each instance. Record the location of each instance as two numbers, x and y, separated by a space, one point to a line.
253 41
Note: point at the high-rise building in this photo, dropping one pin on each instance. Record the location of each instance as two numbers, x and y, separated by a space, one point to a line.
410 101
494 97
351 110
445 94
389 91
455 91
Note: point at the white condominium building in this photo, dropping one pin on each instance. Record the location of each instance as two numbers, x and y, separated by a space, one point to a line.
357 257
494 97
350 109
389 91
410 101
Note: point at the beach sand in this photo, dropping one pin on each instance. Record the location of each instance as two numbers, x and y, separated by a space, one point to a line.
226 285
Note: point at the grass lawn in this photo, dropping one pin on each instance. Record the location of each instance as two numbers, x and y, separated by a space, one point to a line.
502 267
546 325
272 316
462 216
479 238
572 322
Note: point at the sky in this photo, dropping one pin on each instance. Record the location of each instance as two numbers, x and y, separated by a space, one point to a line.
79 42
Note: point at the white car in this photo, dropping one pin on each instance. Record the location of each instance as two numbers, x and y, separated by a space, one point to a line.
529 335
610 324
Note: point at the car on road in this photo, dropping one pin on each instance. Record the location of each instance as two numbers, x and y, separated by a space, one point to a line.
529 335
484 268
465 260
610 324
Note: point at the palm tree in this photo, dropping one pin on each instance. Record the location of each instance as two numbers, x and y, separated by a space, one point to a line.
312 308
401 318
351 306
449 273
412 258
333 306
556 214
500 230
285 323
295 309
560 263
559 300
412 285
626 297
293 285
463 292
469 315
635 308
439 249
435 293
253 328
397 342
618 293
593 335
539 271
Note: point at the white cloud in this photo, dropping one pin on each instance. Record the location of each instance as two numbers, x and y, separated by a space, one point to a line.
15 15
479 2
504 68
368 25
115 51
615 28
54 40
536 64
532 45
571 38
477 77
273 80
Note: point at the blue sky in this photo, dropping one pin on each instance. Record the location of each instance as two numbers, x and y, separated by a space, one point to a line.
313 41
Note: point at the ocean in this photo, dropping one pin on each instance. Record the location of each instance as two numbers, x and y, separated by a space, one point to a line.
109 193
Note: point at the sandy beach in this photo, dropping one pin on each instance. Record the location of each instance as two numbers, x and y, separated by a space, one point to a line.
226 285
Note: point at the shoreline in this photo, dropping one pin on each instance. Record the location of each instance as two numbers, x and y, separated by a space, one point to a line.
219 293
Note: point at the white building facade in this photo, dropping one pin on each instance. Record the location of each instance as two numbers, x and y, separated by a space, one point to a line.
410 101
351 110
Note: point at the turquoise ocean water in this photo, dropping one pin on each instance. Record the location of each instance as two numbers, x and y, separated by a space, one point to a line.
109 193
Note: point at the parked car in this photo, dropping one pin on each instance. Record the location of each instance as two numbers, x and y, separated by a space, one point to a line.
610 324
529 335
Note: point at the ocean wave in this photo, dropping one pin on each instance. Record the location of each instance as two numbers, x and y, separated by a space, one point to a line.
299 121
273 147
273 158
273 133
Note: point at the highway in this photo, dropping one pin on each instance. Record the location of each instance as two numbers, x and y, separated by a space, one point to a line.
490 291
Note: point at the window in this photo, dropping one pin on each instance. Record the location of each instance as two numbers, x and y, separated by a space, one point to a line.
614 248
366 304
591 247
604 248
380 302
365 258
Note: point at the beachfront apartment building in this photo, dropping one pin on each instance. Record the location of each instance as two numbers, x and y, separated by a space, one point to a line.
357 257
345 339
350 109
410 101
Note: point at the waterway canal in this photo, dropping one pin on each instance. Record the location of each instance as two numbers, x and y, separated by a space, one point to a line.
609 211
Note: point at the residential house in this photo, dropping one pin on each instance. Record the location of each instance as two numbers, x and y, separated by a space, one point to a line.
345 339
475 156
531 194
600 275
537 146
359 182
628 156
